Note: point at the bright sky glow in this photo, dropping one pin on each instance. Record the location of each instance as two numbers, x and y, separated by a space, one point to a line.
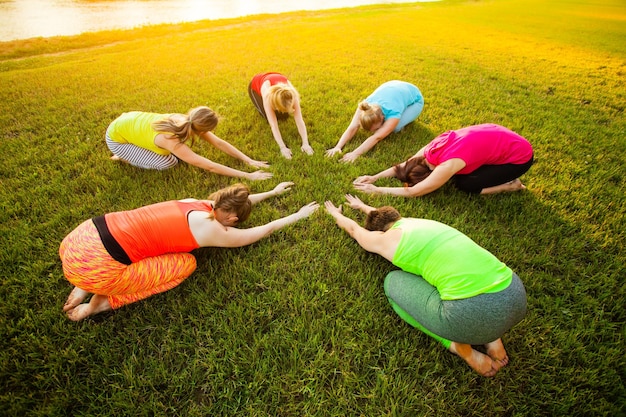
21 19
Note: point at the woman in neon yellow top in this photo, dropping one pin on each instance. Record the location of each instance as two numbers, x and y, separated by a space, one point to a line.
158 141
449 287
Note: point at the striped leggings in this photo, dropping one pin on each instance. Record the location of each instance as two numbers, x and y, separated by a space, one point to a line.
141 157
88 265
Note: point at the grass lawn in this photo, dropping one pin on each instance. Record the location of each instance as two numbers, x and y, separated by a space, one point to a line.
298 324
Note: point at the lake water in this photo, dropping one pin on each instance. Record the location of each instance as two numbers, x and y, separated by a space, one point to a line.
22 19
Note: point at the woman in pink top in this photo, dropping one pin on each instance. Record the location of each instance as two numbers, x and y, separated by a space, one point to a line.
124 257
276 98
481 159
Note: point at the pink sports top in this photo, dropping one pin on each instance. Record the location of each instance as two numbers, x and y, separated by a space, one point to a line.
486 144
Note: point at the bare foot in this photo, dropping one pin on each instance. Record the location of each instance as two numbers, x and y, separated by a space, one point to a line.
76 297
97 304
479 362
117 158
496 351
515 185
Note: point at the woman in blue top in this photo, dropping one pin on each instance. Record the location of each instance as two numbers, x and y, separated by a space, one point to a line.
388 109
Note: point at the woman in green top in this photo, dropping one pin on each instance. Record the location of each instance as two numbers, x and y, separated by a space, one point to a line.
449 287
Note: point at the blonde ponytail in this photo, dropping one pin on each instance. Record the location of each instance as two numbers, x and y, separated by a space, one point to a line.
183 127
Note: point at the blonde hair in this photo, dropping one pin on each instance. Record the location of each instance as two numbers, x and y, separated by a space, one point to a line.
233 199
197 120
370 114
283 98
382 219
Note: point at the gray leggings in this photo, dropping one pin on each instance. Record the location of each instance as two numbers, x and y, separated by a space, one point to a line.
476 320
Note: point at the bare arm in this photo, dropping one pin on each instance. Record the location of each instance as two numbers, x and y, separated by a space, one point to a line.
356 204
370 179
440 175
281 188
231 150
371 241
297 116
270 113
380 134
232 237
353 127
387 173
184 152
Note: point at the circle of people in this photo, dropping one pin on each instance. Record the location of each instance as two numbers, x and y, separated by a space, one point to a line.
447 286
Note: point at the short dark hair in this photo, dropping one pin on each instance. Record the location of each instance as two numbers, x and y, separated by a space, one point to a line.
382 218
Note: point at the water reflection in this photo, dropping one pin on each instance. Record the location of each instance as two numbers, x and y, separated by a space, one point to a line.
21 19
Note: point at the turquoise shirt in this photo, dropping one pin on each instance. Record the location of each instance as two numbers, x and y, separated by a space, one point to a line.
394 97
448 260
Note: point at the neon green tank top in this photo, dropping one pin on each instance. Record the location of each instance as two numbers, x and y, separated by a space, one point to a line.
448 260
136 127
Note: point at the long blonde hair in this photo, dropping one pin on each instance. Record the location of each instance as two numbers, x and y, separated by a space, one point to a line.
233 199
283 98
370 114
183 127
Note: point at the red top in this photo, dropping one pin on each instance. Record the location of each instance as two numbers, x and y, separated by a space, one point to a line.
155 229
273 77
486 144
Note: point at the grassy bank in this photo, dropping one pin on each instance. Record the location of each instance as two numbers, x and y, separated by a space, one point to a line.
298 324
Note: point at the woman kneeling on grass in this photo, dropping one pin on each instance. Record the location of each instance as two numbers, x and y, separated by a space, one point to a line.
481 159
126 256
275 98
448 287
157 141
388 109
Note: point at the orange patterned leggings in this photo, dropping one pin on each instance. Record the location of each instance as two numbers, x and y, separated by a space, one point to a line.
88 265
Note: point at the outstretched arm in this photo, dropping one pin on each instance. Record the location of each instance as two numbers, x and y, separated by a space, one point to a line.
231 150
281 188
231 237
297 116
184 152
353 127
357 204
387 173
440 175
273 122
380 134
371 241
370 179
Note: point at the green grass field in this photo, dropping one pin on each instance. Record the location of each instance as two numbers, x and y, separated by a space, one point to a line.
298 324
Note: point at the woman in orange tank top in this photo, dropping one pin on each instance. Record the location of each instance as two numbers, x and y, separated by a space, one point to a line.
126 256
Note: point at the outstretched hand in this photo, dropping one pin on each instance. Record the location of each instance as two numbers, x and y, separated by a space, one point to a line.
349 157
332 152
307 149
307 210
332 209
286 152
364 179
283 187
355 202
259 175
259 164
366 188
